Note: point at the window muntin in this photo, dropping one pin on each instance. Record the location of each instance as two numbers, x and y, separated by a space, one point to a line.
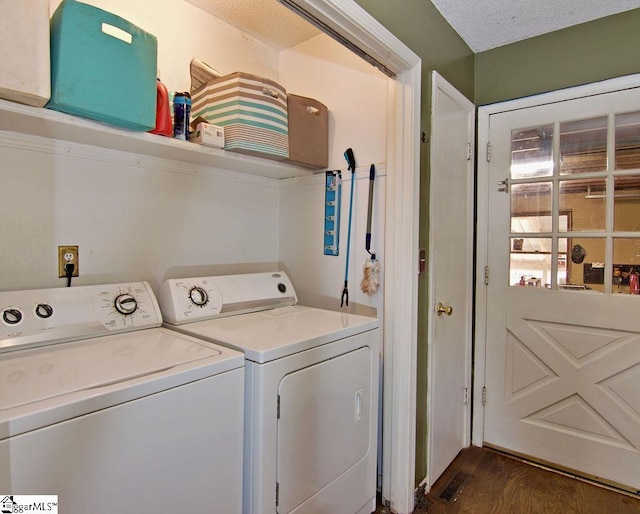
574 219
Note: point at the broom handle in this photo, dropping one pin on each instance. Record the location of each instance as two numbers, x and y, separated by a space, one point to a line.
353 182
351 161
372 177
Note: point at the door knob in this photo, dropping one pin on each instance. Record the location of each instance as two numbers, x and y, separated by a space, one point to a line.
441 309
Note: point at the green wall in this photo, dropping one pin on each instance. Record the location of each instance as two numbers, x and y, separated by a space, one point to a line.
420 26
593 51
589 52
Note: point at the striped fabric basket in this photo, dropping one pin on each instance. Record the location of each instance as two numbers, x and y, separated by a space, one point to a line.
252 110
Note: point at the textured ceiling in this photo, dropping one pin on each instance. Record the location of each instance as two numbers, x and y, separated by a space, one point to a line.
486 24
483 24
265 20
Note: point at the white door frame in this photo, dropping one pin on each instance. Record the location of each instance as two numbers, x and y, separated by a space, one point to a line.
482 227
400 324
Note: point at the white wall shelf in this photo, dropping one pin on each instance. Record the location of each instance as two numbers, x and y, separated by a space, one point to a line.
35 121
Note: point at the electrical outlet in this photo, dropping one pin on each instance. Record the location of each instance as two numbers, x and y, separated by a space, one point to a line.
67 255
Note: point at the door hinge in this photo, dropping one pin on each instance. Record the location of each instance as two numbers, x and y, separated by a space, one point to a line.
486 275
278 407
277 493
484 395
422 260
503 186
488 151
469 151
466 396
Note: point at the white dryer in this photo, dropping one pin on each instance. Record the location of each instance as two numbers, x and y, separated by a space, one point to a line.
311 390
102 407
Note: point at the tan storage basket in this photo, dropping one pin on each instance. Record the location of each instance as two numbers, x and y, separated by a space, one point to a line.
308 132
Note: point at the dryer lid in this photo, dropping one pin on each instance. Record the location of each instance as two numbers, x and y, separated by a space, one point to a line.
272 334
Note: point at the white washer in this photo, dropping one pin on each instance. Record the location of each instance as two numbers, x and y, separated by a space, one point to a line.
140 420
311 390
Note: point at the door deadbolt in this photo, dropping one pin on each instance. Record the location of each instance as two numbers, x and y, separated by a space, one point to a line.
441 309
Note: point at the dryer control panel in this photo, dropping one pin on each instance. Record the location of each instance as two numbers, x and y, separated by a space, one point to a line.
43 316
196 299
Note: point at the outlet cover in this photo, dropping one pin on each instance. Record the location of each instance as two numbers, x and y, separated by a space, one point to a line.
68 254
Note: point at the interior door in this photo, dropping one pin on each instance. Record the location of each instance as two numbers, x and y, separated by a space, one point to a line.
451 273
563 252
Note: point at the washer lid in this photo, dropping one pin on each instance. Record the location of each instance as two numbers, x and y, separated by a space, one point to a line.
38 374
272 334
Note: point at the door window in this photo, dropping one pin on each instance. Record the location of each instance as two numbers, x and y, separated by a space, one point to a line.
575 205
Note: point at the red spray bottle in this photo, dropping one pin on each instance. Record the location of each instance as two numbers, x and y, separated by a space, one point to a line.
164 126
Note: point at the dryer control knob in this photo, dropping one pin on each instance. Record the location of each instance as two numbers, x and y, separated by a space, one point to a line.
125 304
198 296
11 316
282 288
44 310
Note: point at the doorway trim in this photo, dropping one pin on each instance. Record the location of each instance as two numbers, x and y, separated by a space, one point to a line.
347 20
482 227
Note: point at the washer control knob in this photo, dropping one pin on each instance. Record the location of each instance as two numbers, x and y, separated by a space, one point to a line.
44 310
11 316
125 304
198 296
282 288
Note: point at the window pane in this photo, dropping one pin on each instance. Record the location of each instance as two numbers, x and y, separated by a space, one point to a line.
583 201
583 146
628 141
586 263
530 224
531 200
626 267
530 263
531 152
626 213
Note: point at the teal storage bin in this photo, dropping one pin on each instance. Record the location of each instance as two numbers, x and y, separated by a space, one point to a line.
102 67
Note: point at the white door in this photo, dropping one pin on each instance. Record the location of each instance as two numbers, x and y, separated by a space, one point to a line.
563 254
451 272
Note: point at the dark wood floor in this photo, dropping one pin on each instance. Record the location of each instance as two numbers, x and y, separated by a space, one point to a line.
493 483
